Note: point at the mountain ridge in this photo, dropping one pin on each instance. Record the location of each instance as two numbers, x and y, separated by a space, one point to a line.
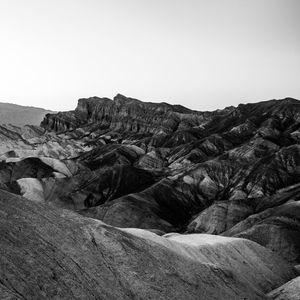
199 187
87 109
20 115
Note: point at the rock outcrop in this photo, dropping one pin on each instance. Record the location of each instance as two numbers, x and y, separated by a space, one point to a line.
288 291
122 113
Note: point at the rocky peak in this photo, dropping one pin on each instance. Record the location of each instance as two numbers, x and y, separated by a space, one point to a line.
120 99
287 107
121 113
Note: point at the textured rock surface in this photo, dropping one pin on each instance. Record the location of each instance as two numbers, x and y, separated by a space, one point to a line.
33 141
276 228
288 291
123 113
233 172
220 216
47 253
165 167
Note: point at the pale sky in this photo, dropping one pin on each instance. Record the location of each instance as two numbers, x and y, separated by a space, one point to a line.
204 54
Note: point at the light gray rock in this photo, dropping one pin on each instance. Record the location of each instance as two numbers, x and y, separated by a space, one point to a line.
288 291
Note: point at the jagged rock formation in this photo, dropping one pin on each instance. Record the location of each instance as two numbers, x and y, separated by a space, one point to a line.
33 141
233 172
164 167
48 253
123 113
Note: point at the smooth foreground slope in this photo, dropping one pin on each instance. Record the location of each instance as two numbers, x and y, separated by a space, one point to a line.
49 253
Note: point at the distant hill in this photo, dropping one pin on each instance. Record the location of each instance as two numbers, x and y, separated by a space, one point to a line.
21 115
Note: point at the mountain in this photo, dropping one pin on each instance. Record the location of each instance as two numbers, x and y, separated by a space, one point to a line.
128 115
218 192
21 115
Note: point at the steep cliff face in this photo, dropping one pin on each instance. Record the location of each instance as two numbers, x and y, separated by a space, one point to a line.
61 121
125 114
